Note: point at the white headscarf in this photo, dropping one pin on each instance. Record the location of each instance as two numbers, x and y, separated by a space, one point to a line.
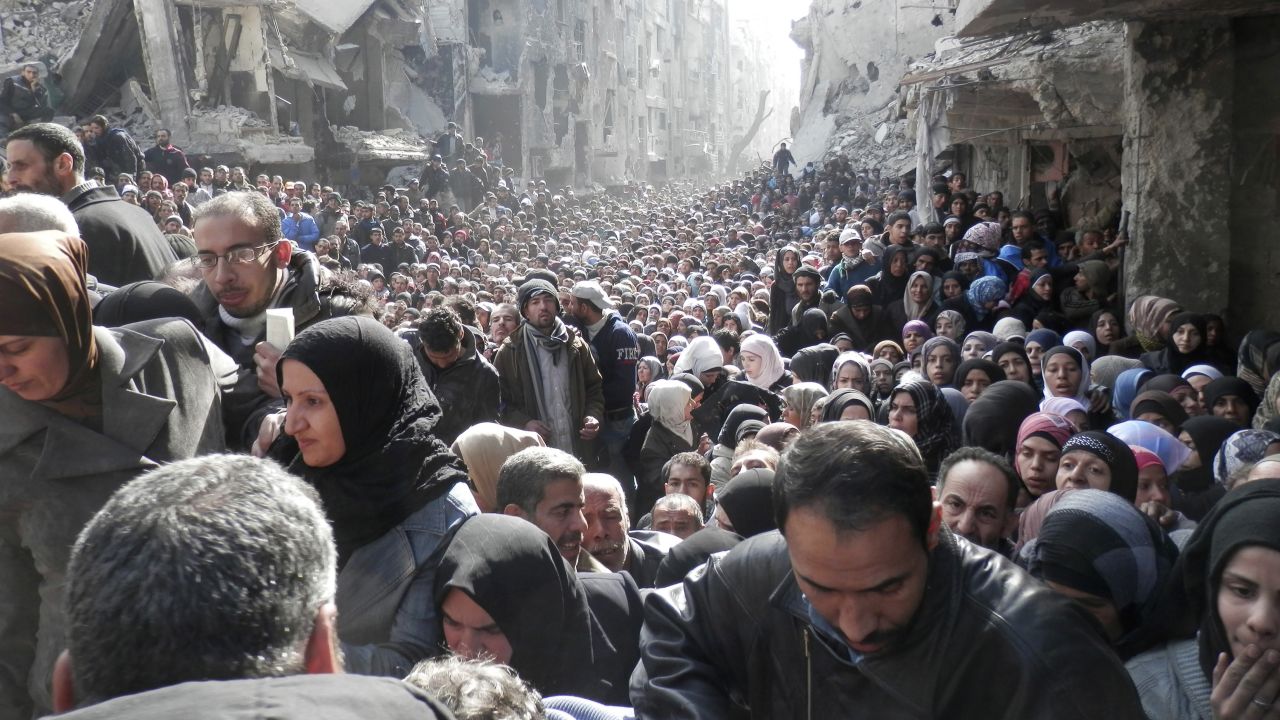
668 400
771 367
702 355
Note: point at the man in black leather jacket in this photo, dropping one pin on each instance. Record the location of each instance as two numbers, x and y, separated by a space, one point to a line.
866 606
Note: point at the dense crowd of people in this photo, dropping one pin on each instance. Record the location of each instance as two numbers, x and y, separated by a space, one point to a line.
791 446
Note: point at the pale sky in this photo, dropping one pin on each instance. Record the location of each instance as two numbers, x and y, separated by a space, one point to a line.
772 16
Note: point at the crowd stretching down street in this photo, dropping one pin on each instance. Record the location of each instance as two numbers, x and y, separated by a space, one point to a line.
798 444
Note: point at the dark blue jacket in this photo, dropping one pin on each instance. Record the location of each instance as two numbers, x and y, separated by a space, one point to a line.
616 351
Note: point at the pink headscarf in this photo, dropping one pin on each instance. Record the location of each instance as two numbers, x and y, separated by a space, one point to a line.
1054 428
1145 457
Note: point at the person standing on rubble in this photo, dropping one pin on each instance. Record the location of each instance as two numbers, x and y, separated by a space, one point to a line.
24 99
116 149
165 159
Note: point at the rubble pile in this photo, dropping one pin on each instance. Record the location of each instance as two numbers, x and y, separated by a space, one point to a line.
40 30
399 146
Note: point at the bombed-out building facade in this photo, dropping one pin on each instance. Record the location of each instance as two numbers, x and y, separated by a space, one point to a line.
577 92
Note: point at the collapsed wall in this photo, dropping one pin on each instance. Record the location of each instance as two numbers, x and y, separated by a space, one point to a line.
856 51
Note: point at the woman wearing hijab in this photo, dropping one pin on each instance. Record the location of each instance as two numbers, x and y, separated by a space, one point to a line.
1089 293
848 404
1065 373
1187 397
890 284
812 330
1222 587
851 370
974 377
993 418
85 409
1240 452
1259 359
1185 347
950 324
1038 451
916 302
813 364
1106 328
145 300
891 351
546 632
1159 409
939 358
1231 398
782 293
1194 480
914 335
918 409
745 504
727 442
798 401
953 285
648 371
360 425
1082 341
1100 461
1102 552
484 447
977 344
1013 361
1037 298
671 407
694 551
1127 387
979 303
1148 323
778 435
762 363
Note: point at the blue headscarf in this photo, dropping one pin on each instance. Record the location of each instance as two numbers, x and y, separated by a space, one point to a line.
985 290
1126 390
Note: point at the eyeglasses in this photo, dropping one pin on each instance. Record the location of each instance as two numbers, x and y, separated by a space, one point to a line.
235 256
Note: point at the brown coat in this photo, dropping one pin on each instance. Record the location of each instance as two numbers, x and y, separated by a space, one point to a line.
518 404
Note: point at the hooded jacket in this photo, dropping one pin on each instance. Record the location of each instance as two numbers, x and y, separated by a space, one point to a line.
736 635
467 390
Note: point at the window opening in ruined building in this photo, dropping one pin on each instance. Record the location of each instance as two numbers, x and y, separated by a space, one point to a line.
540 73
580 40
608 115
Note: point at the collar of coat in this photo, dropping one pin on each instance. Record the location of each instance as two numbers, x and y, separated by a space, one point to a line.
131 419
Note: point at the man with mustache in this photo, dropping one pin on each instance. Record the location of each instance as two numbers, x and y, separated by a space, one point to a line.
864 599
247 267
544 486
609 537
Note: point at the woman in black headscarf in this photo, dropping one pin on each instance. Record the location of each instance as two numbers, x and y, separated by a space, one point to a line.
1100 461
782 293
145 300
861 320
1186 346
745 504
974 377
1196 489
693 552
993 420
811 331
1231 398
890 283
813 364
727 441
848 404
359 426
1012 359
1222 587
503 571
919 409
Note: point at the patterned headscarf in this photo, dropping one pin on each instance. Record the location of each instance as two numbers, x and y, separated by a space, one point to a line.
985 235
1146 315
1241 449
935 436
957 322
1115 453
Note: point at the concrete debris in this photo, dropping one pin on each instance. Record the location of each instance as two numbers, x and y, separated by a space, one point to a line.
40 30
390 146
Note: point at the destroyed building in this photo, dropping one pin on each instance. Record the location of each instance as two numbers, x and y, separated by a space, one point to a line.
1166 108
581 92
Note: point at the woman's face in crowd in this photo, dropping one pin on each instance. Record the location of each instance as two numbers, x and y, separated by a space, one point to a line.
898 266
1213 332
851 377
34 368
1189 399
1062 376
790 261
311 418
970 268
1038 464
660 344
951 288
1233 408
1186 338
890 353
1249 599
1107 330
944 327
919 290
974 384
752 364
643 373
1034 351
940 366
1153 486
855 411
902 413
912 340
972 349
884 379
1080 469
1044 288
470 631
959 206
1014 367
1193 461
1158 420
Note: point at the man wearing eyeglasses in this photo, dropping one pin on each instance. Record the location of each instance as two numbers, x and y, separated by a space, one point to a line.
248 267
